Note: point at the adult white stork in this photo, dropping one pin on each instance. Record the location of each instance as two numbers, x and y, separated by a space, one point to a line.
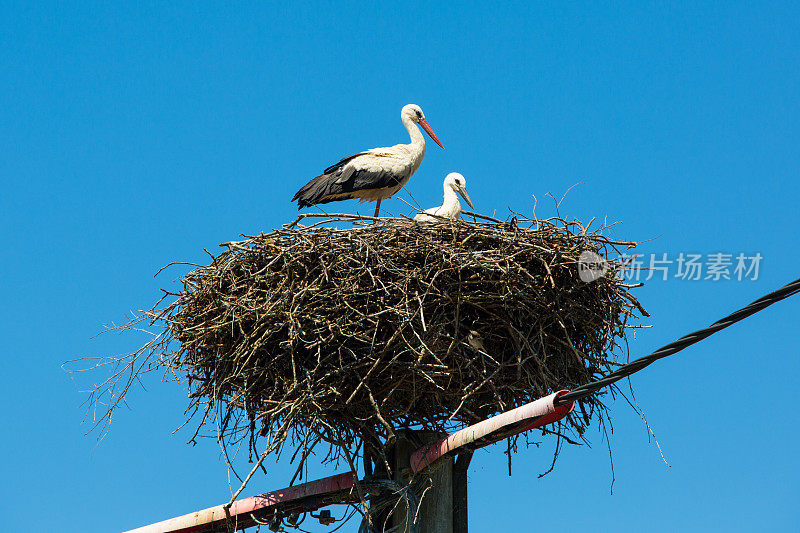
451 208
375 174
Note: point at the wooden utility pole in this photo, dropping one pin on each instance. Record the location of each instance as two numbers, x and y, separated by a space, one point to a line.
442 489
460 516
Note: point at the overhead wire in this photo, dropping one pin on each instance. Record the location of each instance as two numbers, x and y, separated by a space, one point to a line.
636 365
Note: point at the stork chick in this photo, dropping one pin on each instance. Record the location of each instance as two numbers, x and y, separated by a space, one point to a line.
372 175
451 208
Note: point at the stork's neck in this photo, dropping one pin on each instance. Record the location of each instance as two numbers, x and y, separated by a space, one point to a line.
417 140
450 198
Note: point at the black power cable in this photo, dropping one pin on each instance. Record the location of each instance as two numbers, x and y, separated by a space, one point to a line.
684 342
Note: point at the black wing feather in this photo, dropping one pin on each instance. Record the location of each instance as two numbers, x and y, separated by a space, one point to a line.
327 188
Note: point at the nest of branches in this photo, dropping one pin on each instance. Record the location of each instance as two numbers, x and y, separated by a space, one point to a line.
344 335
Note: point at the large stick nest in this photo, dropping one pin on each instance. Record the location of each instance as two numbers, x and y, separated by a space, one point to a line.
346 335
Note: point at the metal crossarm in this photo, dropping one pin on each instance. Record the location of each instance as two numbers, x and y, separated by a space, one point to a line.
526 417
314 495
249 511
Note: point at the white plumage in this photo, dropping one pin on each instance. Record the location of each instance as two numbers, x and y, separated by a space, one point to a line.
451 207
372 175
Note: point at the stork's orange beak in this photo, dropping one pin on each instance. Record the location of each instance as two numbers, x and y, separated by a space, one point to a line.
429 131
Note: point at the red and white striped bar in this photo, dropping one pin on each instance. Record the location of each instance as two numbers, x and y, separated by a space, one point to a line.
536 414
288 499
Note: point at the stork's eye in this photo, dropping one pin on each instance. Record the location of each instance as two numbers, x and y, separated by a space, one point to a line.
419 114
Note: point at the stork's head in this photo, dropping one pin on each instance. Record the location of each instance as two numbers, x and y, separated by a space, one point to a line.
414 113
458 183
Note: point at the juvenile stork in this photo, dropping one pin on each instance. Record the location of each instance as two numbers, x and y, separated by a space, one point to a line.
375 174
451 208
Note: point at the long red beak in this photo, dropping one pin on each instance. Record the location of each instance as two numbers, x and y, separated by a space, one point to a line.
429 131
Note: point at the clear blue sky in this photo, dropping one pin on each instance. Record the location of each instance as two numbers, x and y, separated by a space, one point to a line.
134 136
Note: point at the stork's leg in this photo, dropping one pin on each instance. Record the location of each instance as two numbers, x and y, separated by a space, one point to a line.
377 209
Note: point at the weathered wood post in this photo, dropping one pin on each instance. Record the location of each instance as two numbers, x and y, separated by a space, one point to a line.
460 516
434 487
